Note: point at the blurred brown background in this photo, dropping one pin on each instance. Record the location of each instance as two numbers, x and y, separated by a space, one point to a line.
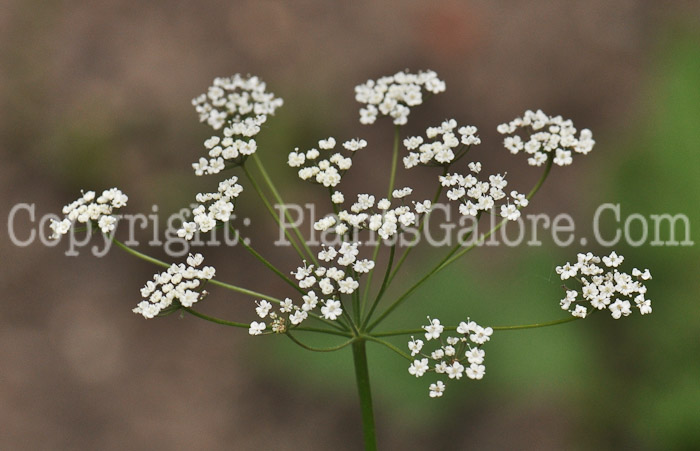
97 94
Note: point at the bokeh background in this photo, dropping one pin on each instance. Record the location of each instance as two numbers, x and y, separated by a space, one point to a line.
97 94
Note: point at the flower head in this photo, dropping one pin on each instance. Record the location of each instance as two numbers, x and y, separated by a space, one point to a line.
547 137
91 209
179 285
455 356
603 286
324 166
240 105
213 208
476 196
324 285
394 95
234 98
448 144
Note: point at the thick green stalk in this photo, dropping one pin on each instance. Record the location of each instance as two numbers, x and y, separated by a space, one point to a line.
359 354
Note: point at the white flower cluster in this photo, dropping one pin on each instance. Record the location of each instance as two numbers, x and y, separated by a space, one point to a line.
380 217
212 207
233 98
548 135
604 286
233 148
327 171
88 209
441 151
240 105
330 281
178 283
394 94
476 196
455 356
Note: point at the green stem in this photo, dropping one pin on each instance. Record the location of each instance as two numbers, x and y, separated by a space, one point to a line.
281 203
394 160
359 354
382 289
532 192
389 345
223 322
392 177
265 262
455 254
140 255
495 328
311 348
321 331
406 253
270 209
228 286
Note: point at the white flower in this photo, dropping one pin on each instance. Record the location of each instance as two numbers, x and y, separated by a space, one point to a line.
580 311
286 306
620 308
399 193
437 389
644 305
566 271
355 144
510 212
327 144
298 317
418 367
415 346
263 309
337 197
476 371
613 260
332 309
348 285
571 296
481 335
256 328
363 266
455 370
433 330
310 301
475 355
